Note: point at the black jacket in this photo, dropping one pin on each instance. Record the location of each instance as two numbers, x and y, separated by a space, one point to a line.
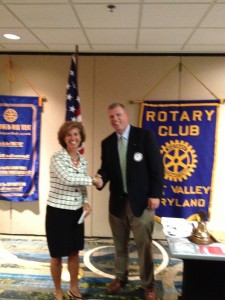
145 172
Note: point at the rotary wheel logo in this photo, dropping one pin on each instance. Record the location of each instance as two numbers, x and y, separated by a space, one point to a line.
10 115
179 160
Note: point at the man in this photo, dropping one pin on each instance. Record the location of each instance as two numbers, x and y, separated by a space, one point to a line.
134 197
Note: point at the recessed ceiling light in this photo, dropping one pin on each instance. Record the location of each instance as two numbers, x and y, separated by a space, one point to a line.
11 36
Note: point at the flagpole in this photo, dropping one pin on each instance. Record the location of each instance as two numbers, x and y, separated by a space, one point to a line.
77 60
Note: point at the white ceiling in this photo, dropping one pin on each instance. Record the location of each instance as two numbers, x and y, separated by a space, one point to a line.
135 26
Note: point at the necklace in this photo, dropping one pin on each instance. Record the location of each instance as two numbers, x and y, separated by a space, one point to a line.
75 160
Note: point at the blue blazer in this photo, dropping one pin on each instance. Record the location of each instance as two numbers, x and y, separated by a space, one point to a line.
145 172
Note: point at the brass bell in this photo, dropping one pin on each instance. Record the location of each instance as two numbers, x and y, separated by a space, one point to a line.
200 235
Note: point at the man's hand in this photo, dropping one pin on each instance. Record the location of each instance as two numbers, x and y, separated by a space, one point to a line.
97 181
153 203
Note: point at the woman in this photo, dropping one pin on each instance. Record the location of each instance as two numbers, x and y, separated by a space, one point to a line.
66 202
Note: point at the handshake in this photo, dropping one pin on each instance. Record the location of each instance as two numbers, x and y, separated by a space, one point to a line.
97 181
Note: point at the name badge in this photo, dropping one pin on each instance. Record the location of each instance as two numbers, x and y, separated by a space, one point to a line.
138 156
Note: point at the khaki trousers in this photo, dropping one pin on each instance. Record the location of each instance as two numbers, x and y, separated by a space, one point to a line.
142 228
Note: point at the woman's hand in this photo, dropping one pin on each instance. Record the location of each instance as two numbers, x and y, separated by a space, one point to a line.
87 208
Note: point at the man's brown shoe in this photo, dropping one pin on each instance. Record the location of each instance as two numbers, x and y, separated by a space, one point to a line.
150 294
115 286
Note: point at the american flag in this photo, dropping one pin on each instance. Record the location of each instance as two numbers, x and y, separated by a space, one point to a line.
73 112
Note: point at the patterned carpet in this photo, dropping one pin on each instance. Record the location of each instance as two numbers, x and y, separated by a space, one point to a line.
24 270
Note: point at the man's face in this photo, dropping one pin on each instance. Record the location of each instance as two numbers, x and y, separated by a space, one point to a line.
118 119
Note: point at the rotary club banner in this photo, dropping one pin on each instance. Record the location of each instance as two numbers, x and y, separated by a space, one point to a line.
19 148
186 134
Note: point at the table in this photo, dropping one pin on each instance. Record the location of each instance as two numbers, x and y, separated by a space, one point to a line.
203 269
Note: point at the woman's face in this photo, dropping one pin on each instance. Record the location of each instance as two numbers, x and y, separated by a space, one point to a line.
73 139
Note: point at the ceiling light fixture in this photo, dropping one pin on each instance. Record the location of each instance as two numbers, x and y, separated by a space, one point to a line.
11 36
111 7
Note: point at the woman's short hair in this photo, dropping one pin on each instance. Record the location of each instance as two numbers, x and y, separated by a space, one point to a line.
66 127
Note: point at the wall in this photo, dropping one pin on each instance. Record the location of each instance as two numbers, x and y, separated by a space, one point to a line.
102 80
